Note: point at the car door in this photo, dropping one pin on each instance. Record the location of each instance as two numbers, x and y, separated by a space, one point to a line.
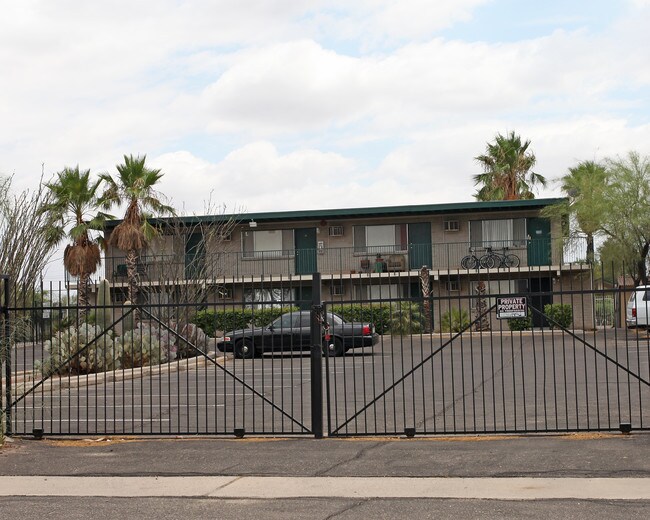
302 331
281 333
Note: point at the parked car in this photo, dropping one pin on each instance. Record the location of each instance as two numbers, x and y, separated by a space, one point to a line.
292 331
638 307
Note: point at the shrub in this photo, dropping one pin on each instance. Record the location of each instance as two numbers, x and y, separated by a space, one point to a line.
559 314
454 320
212 321
517 324
406 318
378 314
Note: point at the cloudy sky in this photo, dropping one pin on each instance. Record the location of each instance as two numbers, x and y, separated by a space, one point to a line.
271 105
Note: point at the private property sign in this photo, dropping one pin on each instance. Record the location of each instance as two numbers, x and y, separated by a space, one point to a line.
512 307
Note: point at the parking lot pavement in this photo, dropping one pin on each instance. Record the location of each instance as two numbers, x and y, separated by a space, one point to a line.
539 477
549 456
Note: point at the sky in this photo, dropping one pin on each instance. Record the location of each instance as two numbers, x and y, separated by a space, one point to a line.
273 105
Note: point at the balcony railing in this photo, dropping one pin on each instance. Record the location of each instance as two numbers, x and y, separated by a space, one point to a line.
350 260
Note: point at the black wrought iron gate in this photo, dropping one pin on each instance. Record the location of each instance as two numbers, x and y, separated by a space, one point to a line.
494 380
467 374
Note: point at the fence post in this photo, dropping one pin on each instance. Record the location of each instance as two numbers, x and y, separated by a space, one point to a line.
6 352
316 358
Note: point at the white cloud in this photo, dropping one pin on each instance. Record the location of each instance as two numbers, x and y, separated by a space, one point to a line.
289 104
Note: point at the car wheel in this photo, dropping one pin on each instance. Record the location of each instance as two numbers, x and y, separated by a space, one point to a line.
244 349
334 348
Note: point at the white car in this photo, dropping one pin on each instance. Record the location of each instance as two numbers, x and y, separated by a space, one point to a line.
638 307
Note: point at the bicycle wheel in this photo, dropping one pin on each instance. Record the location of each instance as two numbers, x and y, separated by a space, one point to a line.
468 262
511 261
488 261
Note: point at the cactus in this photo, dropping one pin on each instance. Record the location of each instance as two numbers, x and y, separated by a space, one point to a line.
128 322
65 344
104 316
144 346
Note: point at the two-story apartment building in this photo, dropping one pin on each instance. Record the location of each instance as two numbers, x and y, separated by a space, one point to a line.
363 254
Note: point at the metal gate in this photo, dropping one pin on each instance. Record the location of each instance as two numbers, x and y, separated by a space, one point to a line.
472 373
444 363
159 378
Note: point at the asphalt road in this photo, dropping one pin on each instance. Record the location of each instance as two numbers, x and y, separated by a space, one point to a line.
572 461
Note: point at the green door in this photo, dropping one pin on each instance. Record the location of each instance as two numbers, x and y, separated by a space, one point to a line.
419 245
194 257
539 241
305 250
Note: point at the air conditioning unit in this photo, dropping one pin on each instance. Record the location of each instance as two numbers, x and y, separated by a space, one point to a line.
451 225
336 231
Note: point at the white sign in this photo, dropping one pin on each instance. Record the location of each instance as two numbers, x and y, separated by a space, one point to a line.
512 307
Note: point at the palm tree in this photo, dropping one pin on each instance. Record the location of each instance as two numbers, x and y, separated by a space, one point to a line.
135 187
74 205
584 185
506 170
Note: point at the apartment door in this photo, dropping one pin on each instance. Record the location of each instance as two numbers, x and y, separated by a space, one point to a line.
419 245
305 239
194 256
539 241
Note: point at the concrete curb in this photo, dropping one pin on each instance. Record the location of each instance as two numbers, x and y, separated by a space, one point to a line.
25 380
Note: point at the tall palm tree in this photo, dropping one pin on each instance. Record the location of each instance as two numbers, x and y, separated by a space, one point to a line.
73 206
134 187
584 184
507 174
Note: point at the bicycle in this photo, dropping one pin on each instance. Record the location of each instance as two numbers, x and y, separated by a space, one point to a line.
470 261
492 259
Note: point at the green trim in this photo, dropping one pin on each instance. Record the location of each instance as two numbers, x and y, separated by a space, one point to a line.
381 211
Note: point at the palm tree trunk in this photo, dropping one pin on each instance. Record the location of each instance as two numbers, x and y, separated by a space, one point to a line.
82 299
426 298
132 274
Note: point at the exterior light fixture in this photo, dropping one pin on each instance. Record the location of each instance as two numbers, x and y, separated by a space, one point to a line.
252 223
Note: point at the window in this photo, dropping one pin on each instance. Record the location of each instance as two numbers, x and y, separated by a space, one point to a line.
336 289
381 291
453 285
509 232
336 231
451 225
224 292
267 244
498 287
380 239
268 298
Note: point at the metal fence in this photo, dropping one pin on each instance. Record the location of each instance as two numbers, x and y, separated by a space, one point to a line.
444 358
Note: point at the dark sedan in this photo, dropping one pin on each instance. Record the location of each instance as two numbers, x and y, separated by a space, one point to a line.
291 331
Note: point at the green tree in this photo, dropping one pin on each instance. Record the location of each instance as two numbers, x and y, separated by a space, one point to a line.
74 205
626 209
134 187
615 259
507 165
584 185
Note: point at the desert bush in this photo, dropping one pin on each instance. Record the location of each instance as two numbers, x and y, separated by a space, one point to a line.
406 318
518 324
454 320
560 314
